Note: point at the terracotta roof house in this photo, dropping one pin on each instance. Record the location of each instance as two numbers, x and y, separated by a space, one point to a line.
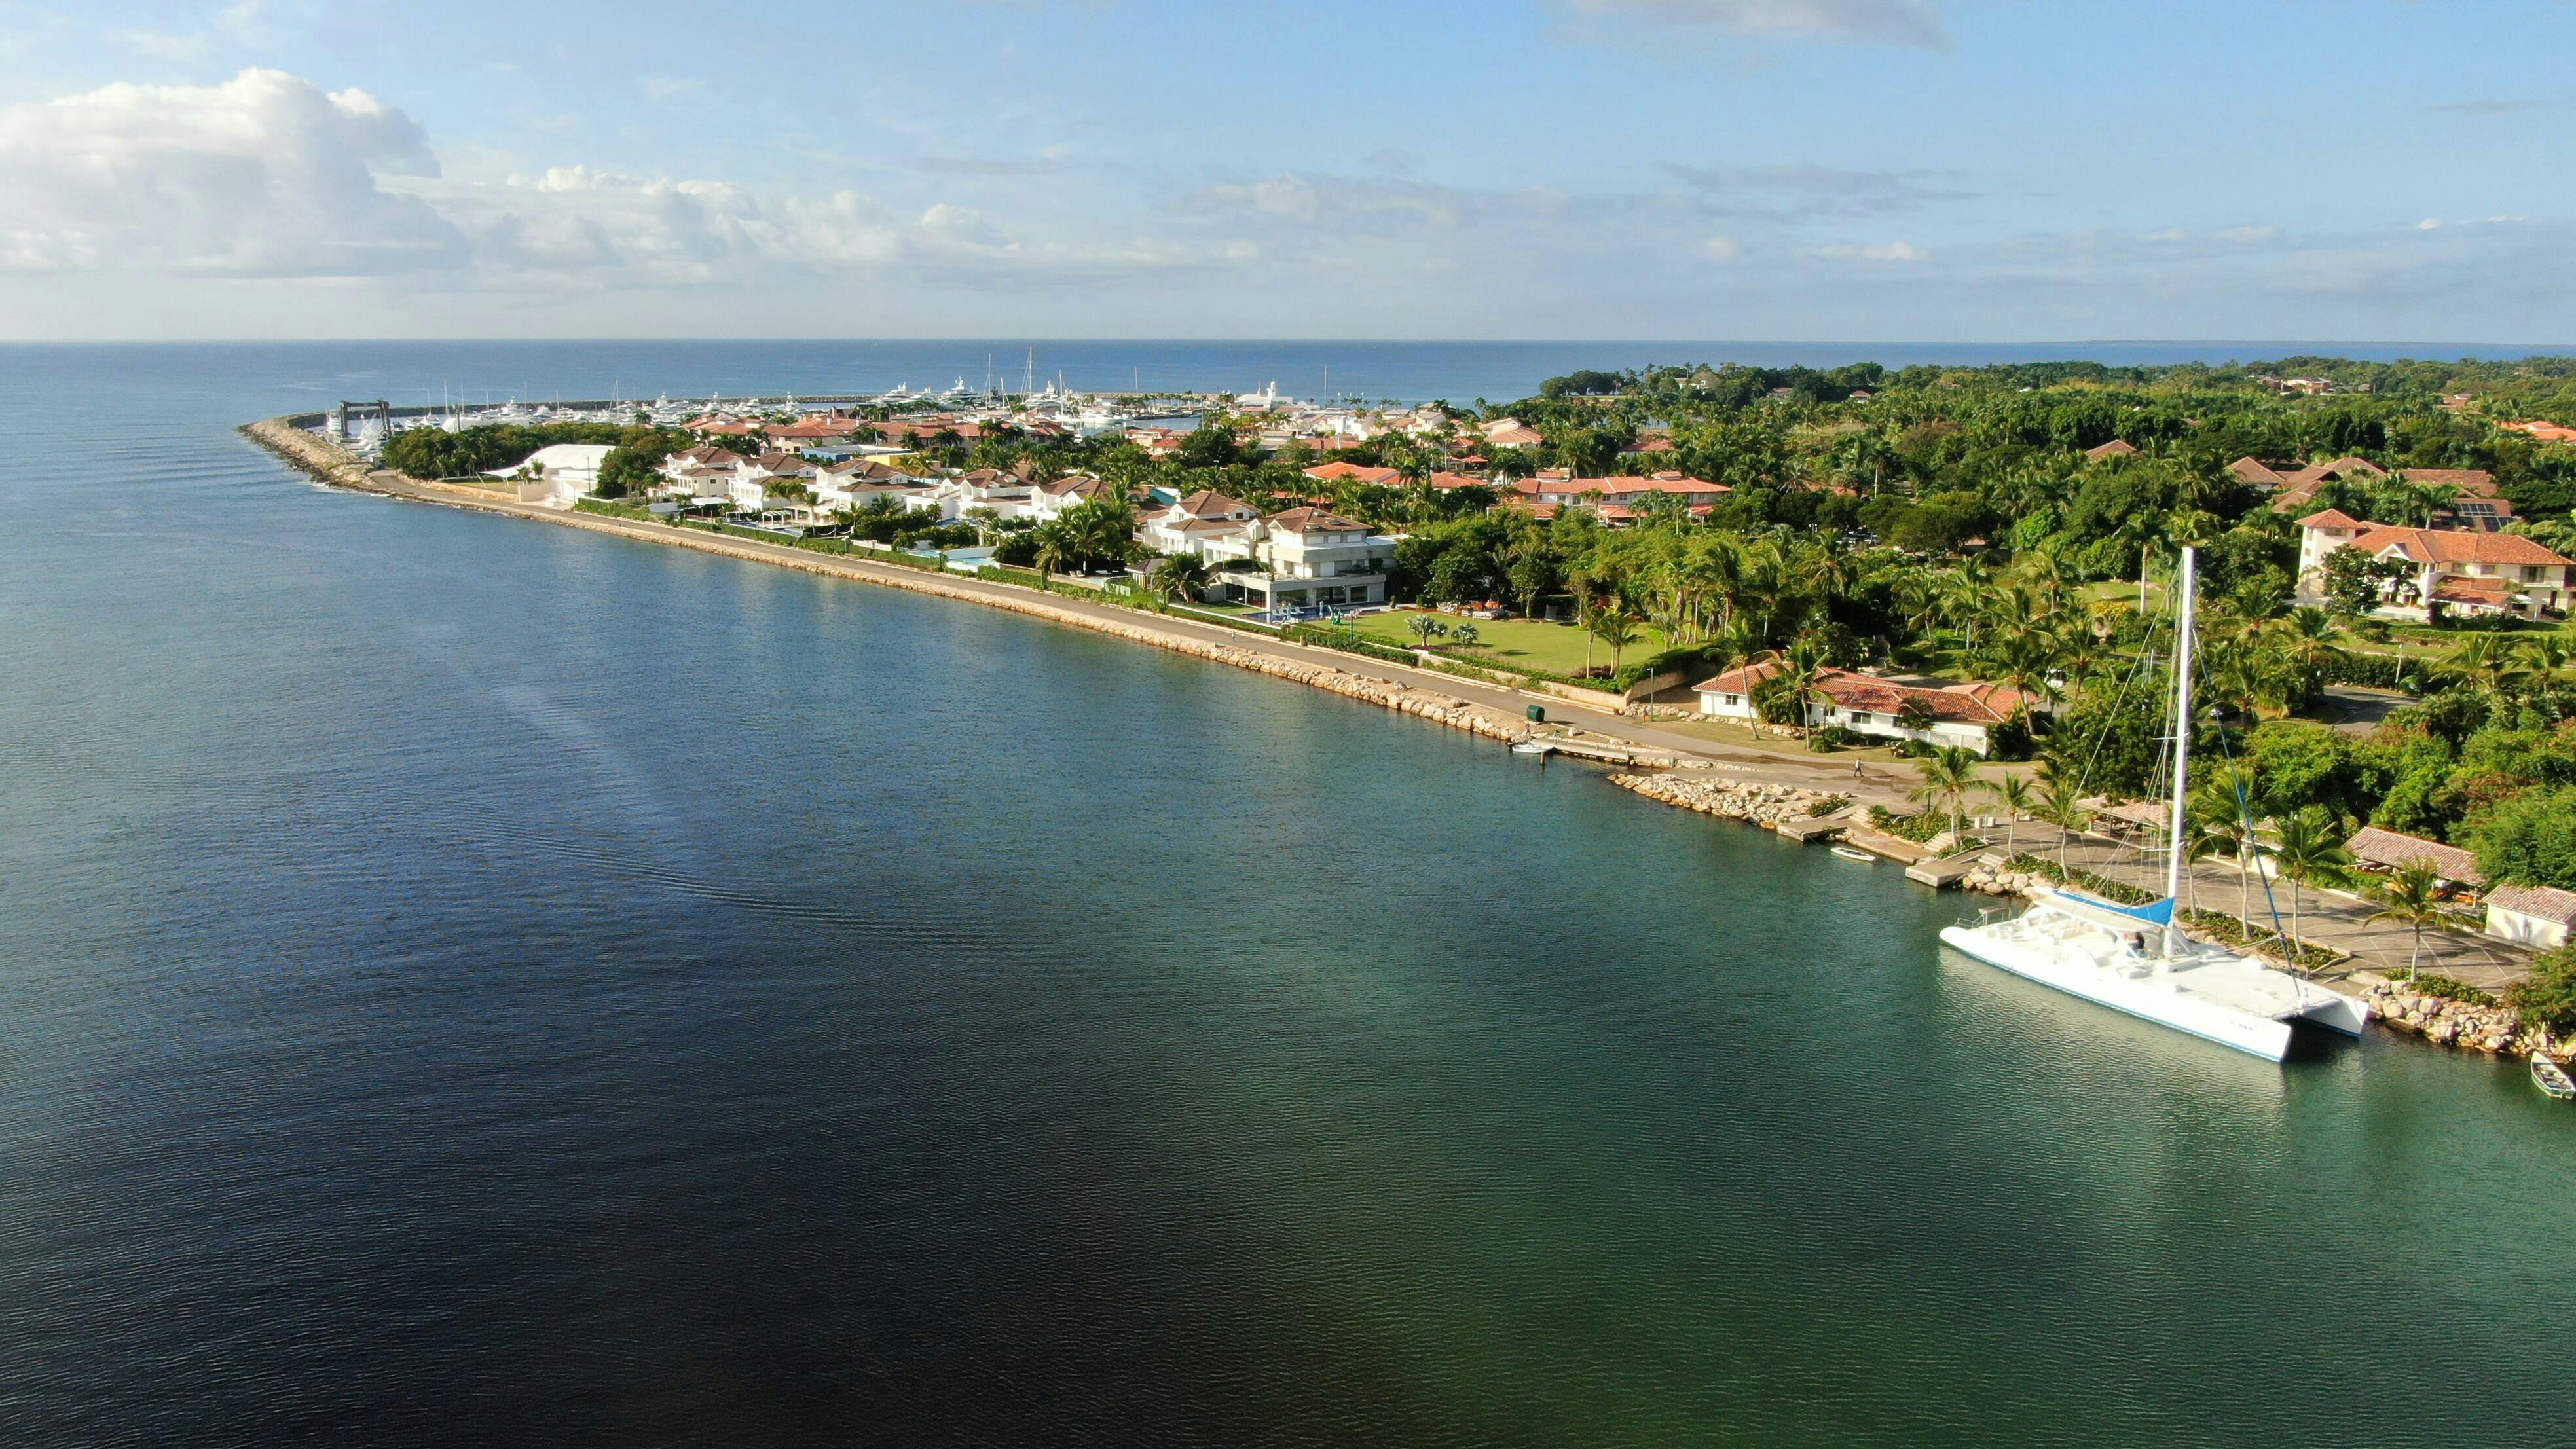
1338 470
1957 714
1615 498
1511 433
2378 849
2485 573
2116 448
2531 915
2300 486
2260 473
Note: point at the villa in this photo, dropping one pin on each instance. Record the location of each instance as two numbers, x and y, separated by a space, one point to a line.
1305 558
1189 526
1964 715
557 474
2475 573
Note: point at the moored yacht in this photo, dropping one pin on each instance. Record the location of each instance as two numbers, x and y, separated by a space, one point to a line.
2133 959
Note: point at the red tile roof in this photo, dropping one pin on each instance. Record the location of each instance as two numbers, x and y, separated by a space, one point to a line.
2457 546
1978 703
2374 846
2547 903
1315 520
1337 470
2116 448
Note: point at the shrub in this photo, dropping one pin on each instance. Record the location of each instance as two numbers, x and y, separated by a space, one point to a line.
2449 988
2547 998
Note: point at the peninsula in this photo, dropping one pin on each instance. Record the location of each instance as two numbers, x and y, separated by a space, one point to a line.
1910 610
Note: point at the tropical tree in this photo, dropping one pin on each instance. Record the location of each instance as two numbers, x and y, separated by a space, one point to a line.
1426 628
1055 550
2221 802
1465 635
1179 578
1949 773
2407 898
2307 843
1618 629
2061 803
2014 794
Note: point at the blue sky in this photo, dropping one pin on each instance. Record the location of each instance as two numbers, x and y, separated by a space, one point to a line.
1977 170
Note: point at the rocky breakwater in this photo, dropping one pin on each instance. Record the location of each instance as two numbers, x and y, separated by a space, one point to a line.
1756 801
308 452
2445 1022
1989 878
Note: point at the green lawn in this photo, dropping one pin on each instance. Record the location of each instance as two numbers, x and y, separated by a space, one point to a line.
1522 643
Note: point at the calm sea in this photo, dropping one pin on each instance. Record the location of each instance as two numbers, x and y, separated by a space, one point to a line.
470 982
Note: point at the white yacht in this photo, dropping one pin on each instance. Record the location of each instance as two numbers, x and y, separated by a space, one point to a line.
2132 959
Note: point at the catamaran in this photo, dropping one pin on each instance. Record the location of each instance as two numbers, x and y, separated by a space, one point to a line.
2133 959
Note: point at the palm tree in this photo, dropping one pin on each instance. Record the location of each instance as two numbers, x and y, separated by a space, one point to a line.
2306 843
2407 898
1949 773
2492 663
1055 551
2061 805
2220 800
1180 577
1465 634
2014 794
1426 628
1617 628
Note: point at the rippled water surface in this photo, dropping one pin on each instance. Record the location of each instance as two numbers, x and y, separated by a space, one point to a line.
472 982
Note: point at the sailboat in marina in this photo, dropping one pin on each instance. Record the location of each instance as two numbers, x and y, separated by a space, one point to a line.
2133 959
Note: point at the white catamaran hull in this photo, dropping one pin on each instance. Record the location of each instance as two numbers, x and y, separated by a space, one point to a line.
2151 997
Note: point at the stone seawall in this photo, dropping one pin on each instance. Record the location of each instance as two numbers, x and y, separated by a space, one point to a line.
1755 802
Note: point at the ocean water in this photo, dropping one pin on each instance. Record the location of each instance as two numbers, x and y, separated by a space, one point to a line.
472 982
284 377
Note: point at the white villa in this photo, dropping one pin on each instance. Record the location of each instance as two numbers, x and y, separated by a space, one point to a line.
557 473
1957 714
1304 558
2473 572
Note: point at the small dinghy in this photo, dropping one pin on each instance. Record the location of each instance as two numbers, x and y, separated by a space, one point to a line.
1534 747
1849 853
2551 1077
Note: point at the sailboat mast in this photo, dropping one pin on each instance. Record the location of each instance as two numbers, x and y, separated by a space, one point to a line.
2174 862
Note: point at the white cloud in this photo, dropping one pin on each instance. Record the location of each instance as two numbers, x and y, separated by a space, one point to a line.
2251 235
1869 22
1895 251
265 174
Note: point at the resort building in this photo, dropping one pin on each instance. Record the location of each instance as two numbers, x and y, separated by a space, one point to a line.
1965 715
2474 573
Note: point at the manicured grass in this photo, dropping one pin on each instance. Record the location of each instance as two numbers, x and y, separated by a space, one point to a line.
1522 643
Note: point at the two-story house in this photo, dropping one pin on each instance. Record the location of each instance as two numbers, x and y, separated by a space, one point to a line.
1306 558
2469 572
